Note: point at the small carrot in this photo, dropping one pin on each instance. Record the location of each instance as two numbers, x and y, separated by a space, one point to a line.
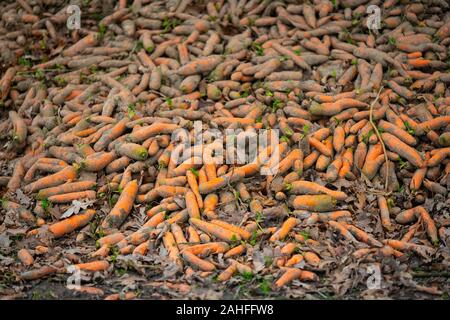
25 257
287 226
430 226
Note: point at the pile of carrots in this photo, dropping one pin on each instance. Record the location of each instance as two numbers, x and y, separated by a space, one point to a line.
88 116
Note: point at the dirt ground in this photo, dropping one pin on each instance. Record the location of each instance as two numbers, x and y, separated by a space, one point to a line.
346 269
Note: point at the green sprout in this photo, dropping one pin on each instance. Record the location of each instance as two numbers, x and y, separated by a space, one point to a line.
256 47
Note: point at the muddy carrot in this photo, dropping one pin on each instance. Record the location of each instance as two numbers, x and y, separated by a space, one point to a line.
308 187
314 202
215 230
66 174
396 145
123 206
171 246
430 226
384 212
99 265
242 232
68 225
25 257
192 181
287 226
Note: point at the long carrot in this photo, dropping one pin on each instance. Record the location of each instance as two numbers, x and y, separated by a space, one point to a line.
123 206
66 174
68 225
215 230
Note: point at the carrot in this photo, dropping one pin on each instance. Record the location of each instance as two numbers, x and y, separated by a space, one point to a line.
192 181
338 138
38 273
110 239
406 216
98 161
334 215
433 124
307 187
197 262
87 41
334 108
227 273
429 224
361 235
68 225
69 197
322 148
66 174
18 175
438 157
200 65
99 265
343 230
171 246
6 82
205 249
294 260
241 232
110 135
152 130
384 213
287 226
192 205
291 274
396 145
122 207
236 251
398 132
132 150
20 130
298 60
333 170
215 230
25 257
444 139
314 202
311 258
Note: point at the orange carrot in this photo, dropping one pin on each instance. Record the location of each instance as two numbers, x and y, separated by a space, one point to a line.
25 257
314 202
307 187
68 225
197 262
99 265
123 206
287 226
215 230
66 174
